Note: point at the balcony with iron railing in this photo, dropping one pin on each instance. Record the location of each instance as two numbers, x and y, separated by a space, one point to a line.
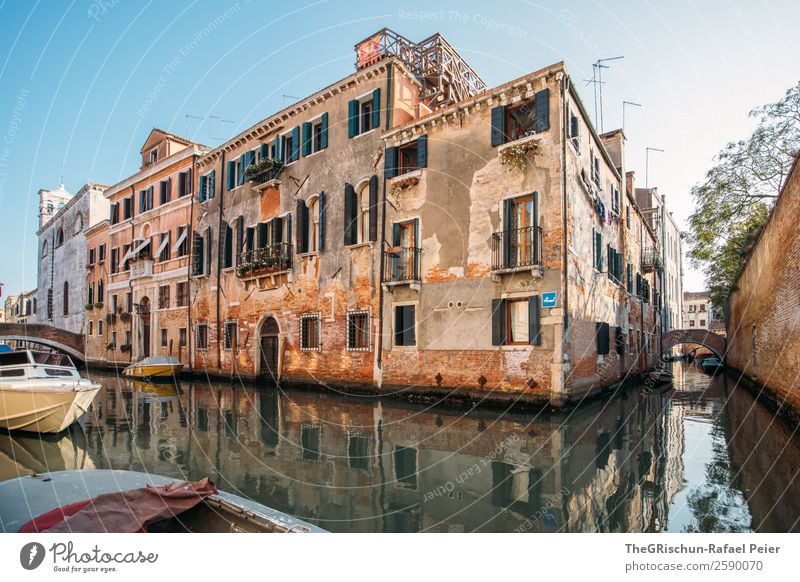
401 266
517 250
651 259
265 261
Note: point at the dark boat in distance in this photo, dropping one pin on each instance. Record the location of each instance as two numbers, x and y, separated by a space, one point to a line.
59 502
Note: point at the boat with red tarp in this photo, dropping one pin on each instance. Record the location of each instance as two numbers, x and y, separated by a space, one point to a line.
112 501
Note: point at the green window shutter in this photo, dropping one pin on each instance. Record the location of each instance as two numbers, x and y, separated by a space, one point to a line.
610 258
324 135
203 193
263 151
208 250
241 169
350 215
306 138
373 208
231 177
321 233
376 108
212 184
390 163
277 148
498 125
422 151
249 159
542 110
295 144
352 118
498 322
508 232
395 255
534 326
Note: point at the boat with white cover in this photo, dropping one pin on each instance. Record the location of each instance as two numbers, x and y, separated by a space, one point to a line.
42 392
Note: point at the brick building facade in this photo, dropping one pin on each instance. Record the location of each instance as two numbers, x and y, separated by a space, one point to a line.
763 326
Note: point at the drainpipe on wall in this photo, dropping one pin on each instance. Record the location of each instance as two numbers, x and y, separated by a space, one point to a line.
220 244
382 242
130 281
189 353
564 223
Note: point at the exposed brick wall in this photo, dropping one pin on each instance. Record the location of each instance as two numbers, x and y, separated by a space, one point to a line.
763 324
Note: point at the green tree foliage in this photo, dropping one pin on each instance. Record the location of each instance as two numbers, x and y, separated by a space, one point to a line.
733 201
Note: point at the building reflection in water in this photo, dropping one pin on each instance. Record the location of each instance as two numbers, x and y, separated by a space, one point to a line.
363 464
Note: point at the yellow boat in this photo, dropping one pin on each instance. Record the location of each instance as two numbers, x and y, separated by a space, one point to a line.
154 368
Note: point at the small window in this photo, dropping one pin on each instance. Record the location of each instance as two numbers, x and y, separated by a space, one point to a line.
101 253
114 338
91 256
164 337
702 323
129 302
182 294
59 237
128 337
99 327
288 145
517 325
358 331
316 136
201 336
408 157
231 329
309 332
184 183
91 328
521 121
691 323
313 231
363 215
44 249
365 116
164 191
182 337
404 325
575 131
163 297
153 156
66 298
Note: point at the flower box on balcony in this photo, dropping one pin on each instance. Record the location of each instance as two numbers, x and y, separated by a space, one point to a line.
125 348
98 305
264 172
89 306
125 316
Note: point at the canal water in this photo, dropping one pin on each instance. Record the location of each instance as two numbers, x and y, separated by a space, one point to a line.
702 457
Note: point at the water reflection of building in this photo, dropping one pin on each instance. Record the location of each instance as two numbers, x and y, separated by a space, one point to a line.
364 465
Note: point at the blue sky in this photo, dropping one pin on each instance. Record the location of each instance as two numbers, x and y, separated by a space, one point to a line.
83 82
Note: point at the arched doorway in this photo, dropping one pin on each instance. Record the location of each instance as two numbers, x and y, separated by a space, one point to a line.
144 316
269 344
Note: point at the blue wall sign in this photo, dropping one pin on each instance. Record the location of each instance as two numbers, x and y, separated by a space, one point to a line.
549 299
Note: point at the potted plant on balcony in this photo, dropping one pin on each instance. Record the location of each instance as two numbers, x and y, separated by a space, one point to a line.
514 157
98 305
125 348
110 346
267 169
125 316
89 306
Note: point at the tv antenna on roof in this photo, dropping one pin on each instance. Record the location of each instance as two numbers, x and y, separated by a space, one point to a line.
597 81
203 118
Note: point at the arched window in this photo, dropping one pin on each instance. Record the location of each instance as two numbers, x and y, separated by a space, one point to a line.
59 237
313 231
363 214
44 248
66 297
78 223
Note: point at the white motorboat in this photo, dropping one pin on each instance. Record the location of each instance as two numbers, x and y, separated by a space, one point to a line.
42 392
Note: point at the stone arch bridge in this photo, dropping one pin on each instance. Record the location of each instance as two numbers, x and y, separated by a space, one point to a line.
44 335
713 341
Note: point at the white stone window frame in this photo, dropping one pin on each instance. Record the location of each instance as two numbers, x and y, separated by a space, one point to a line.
395 346
307 316
365 98
354 312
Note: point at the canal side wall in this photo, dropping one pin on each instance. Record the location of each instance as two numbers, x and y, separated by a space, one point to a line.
763 316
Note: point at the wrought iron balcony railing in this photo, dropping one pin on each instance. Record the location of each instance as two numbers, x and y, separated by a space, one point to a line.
401 265
517 248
